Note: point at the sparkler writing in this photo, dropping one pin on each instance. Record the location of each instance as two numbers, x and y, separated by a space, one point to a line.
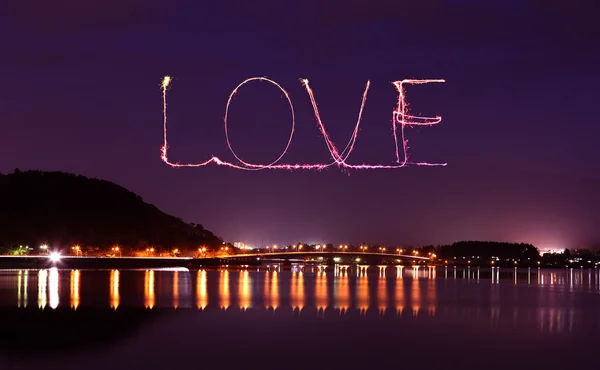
401 117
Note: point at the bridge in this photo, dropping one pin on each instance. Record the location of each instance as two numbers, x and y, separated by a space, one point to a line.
333 254
80 262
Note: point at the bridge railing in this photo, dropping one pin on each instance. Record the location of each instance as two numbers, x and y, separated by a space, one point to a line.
332 253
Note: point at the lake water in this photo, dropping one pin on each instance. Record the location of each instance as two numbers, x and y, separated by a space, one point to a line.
340 317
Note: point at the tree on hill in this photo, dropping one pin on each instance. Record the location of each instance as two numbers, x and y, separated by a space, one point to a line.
488 250
64 209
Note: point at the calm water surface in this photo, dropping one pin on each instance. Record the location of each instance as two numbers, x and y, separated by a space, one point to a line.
339 317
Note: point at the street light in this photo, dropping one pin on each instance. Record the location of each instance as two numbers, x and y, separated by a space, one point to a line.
54 256
77 249
116 249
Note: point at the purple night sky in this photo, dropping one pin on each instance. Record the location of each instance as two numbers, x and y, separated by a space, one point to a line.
81 93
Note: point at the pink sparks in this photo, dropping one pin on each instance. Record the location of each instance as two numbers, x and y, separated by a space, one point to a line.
400 116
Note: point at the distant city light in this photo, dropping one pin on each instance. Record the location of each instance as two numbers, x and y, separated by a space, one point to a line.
243 246
551 251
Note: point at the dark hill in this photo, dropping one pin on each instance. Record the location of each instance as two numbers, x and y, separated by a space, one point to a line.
62 209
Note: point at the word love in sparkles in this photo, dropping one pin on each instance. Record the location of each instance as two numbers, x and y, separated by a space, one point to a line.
401 120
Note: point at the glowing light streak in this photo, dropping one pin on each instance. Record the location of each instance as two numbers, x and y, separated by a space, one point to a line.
201 290
400 296
75 287
271 290
267 295
258 166
297 290
401 117
339 159
342 290
224 289
175 289
362 293
114 289
25 282
19 287
42 288
53 280
382 298
245 288
149 298
321 290
431 292
415 298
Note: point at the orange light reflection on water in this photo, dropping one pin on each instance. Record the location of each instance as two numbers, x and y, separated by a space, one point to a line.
271 289
22 281
362 291
245 292
201 290
224 300
415 297
382 299
149 298
297 290
175 289
342 289
321 290
74 280
431 292
114 289
400 297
